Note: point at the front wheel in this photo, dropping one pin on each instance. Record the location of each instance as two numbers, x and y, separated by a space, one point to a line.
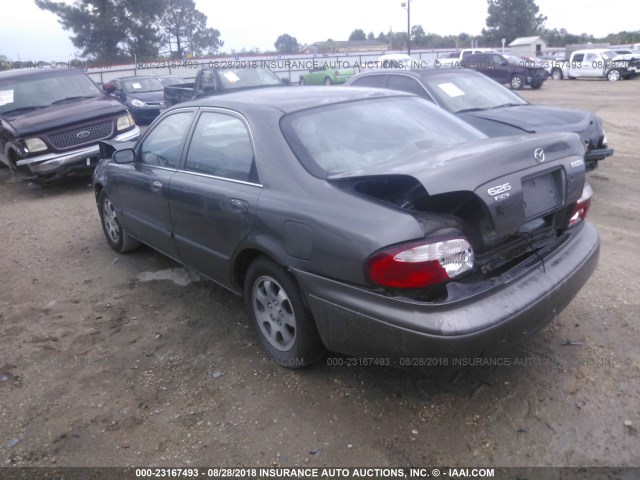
117 236
284 325
614 75
536 86
327 81
517 82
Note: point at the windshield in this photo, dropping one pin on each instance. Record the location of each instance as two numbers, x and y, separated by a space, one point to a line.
356 136
42 90
247 77
142 85
466 90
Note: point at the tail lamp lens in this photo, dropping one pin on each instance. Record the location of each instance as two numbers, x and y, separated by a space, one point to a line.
582 206
419 265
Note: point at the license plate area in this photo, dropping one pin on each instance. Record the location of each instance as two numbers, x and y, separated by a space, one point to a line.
543 193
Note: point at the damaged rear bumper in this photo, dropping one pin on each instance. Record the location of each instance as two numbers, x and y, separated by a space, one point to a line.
360 322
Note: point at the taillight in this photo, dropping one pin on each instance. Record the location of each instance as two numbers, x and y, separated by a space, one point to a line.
583 204
420 264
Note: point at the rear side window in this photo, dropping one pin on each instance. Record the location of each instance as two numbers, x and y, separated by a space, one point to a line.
370 81
163 145
221 147
578 57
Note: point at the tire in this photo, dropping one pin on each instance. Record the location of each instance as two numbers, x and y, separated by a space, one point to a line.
301 81
517 82
283 324
536 86
614 75
327 81
116 234
556 74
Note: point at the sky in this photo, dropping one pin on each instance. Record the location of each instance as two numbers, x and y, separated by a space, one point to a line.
26 32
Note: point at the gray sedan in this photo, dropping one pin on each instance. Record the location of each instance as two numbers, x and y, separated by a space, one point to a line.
362 221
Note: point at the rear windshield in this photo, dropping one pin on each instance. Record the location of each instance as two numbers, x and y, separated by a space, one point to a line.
41 90
354 136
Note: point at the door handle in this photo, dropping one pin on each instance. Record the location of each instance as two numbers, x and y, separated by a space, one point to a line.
238 206
156 186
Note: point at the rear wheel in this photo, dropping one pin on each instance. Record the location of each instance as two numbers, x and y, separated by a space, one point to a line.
556 74
284 325
517 82
327 81
116 234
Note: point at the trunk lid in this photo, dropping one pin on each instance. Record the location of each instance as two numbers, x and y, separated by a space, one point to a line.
516 179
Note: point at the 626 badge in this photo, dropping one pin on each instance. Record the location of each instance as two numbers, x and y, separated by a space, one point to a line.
500 192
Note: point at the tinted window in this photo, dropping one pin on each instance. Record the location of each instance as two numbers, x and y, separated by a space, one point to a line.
369 81
406 84
221 147
163 146
357 136
578 57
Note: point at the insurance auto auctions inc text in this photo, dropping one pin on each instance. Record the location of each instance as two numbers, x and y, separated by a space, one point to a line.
331 473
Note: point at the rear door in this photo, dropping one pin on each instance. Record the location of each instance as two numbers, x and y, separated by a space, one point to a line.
214 196
576 64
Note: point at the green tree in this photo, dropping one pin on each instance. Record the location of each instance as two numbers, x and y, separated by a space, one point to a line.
382 37
4 63
357 34
418 37
371 36
185 28
510 19
110 30
287 44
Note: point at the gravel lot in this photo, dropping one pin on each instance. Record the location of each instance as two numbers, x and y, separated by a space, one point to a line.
130 360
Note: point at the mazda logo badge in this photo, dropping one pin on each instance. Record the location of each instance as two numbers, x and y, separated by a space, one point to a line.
538 155
85 134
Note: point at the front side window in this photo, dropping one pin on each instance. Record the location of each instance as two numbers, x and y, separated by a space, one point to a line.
370 81
406 84
163 145
221 147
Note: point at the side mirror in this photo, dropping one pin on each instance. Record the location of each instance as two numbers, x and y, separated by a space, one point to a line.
108 88
126 155
503 63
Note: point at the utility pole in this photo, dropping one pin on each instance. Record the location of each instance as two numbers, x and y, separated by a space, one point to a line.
408 5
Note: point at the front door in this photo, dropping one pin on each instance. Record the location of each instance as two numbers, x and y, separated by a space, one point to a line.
144 189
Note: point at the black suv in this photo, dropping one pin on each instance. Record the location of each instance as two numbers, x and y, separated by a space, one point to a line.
507 69
51 120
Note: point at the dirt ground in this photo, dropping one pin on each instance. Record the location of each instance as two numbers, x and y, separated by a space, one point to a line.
130 360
